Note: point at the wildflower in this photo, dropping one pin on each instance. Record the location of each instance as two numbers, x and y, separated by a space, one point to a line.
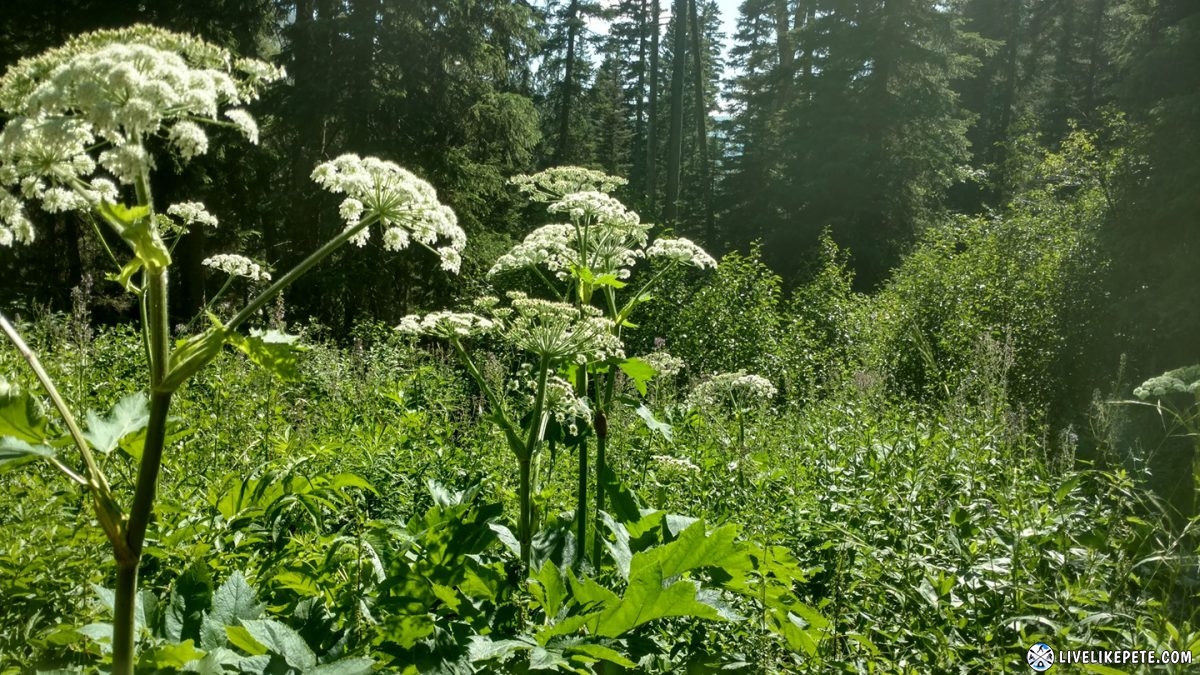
1184 380
677 463
559 181
192 213
550 246
664 364
740 390
245 123
595 207
406 206
568 409
449 325
237 266
558 331
681 250
96 100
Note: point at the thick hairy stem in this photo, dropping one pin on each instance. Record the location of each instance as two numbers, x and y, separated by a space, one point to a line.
601 424
525 519
581 384
537 425
581 507
124 628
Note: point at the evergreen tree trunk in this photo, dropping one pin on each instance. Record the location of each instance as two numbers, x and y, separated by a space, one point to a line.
564 116
652 112
675 134
710 234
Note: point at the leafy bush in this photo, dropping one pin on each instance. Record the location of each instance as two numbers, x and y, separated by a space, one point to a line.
1022 279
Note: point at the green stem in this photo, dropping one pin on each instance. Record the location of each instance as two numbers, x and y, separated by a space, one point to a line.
581 385
581 506
537 424
601 426
298 271
157 336
124 635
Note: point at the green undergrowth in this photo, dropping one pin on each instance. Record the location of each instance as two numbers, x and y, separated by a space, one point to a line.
361 518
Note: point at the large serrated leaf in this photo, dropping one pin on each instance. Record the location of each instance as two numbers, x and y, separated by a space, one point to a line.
273 351
350 666
653 424
282 640
14 452
20 419
639 371
233 601
129 415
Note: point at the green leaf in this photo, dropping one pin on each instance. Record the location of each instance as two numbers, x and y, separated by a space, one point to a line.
484 648
233 601
130 414
282 640
639 371
20 418
272 350
171 656
350 666
125 276
609 280
652 423
193 353
240 637
136 228
549 589
14 452
191 595
1103 670
601 652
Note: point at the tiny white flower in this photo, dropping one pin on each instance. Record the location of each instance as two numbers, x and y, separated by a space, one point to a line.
681 250
245 123
192 213
238 266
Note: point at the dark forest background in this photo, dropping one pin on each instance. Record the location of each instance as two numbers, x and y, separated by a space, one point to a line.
873 120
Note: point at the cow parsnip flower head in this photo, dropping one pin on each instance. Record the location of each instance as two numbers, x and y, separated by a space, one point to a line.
237 266
568 410
558 331
192 213
664 363
448 325
560 181
1184 380
682 251
406 207
592 207
95 101
738 390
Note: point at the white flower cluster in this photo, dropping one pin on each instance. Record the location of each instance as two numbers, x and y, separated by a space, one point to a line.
445 325
549 246
664 364
107 92
681 250
1184 380
561 181
738 390
568 409
558 331
675 463
406 206
237 266
593 207
192 213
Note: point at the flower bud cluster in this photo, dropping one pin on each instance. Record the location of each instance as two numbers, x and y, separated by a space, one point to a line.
1184 380
561 181
406 207
675 463
558 331
237 266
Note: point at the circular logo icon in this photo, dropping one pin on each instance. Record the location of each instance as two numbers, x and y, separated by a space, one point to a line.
1040 657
